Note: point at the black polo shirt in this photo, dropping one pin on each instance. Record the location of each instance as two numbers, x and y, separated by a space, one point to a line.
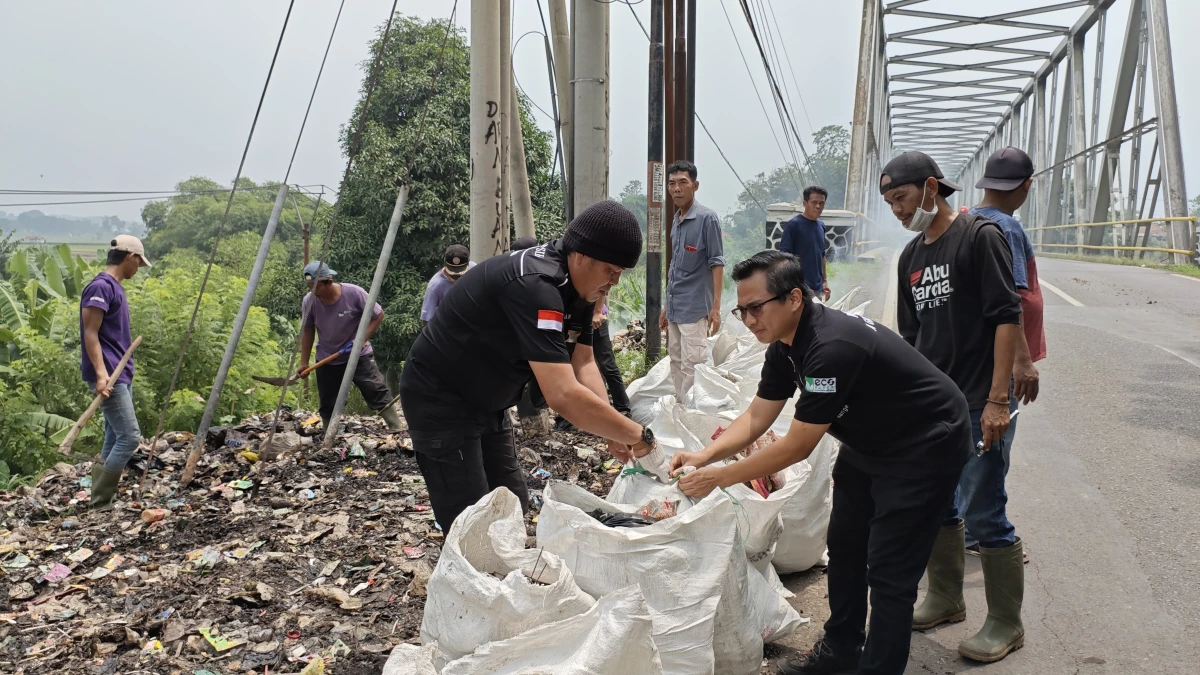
892 409
503 313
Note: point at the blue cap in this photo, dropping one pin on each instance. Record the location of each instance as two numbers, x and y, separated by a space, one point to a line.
315 271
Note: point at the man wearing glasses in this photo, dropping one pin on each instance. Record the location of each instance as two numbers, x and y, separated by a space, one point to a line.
520 315
904 438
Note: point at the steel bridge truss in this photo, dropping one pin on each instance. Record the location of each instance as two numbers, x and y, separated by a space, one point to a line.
960 86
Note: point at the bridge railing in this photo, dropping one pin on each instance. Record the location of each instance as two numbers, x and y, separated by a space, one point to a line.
1123 234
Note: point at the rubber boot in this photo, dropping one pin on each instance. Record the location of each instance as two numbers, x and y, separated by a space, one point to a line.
1004 586
104 487
944 602
393 420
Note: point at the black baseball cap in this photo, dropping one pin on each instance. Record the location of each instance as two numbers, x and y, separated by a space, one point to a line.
1006 169
457 259
913 168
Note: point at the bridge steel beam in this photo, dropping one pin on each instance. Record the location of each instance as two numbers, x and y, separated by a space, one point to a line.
961 85
872 126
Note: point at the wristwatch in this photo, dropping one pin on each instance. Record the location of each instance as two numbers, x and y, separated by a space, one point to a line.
647 441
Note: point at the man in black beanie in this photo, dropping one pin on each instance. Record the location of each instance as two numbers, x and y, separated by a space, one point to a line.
509 320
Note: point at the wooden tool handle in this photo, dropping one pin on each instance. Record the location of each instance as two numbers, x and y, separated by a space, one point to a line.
323 362
65 446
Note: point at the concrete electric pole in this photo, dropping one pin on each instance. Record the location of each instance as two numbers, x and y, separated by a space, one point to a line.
488 237
589 149
522 204
506 89
562 79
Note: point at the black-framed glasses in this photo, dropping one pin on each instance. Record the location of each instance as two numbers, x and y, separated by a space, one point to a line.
754 309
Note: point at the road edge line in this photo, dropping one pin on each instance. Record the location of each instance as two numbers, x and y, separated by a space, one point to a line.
1060 293
1184 276
1177 355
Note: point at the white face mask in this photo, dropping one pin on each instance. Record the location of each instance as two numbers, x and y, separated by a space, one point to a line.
922 219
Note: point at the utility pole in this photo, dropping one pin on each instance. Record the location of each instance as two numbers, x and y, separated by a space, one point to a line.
655 184
690 120
506 95
1168 131
487 238
589 152
518 174
562 79
681 82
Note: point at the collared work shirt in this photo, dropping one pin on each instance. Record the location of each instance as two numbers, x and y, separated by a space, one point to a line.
696 248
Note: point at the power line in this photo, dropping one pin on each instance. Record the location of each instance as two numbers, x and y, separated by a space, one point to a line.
136 199
176 191
750 76
212 259
780 106
799 92
771 79
705 127
517 80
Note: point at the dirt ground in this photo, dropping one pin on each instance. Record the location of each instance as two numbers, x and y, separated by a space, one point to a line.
326 563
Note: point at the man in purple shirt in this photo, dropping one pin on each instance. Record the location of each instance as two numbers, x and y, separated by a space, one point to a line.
333 310
454 265
104 328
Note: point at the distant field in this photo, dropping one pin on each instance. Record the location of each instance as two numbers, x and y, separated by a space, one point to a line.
85 250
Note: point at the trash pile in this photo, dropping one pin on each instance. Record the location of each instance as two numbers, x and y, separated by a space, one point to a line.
317 562
686 586
632 337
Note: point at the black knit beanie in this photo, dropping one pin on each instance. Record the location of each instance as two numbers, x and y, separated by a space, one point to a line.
606 231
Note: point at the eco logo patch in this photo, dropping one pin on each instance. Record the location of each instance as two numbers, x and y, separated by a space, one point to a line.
820 385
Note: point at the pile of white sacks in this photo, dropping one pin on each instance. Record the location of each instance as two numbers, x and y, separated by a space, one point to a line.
692 594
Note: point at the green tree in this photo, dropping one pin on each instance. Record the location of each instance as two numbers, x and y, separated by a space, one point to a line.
438 207
633 196
827 166
190 220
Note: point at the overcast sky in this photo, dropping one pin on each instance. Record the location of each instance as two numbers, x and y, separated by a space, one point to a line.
139 94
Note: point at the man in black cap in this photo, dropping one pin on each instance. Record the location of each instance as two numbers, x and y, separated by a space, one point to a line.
454 265
510 319
961 310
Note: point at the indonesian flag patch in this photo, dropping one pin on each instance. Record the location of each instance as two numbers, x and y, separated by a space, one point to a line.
548 319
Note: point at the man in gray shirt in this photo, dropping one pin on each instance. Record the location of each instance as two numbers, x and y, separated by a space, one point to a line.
692 310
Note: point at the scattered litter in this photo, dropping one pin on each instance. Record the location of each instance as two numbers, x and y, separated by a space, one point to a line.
150 516
659 509
363 543
57 573
218 642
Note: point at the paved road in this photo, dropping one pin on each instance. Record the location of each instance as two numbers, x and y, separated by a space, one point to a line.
1104 487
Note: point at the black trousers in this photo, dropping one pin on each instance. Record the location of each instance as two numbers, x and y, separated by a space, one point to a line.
880 536
367 378
606 360
464 454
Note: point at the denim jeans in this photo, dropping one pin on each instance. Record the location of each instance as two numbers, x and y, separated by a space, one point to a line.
121 432
981 500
